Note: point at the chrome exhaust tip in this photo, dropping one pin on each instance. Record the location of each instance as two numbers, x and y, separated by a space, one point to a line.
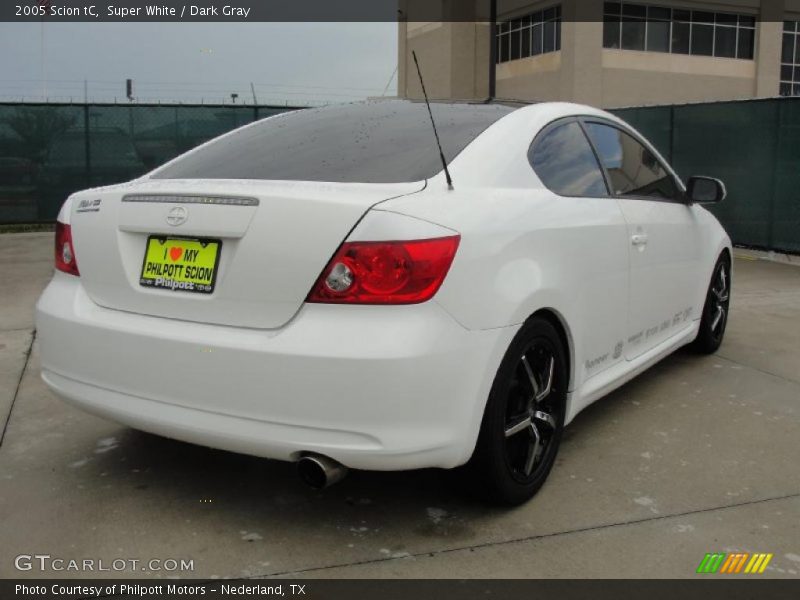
319 471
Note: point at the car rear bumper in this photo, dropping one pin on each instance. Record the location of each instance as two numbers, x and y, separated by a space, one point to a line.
373 387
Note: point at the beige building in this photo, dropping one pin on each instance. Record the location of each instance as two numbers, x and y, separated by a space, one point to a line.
610 54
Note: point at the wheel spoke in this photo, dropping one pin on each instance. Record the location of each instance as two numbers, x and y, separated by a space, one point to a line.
533 449
545 418
718 317
722 279
517 426
722 295
548 384
531 376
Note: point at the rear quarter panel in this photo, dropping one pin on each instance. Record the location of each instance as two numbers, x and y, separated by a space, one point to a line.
521 252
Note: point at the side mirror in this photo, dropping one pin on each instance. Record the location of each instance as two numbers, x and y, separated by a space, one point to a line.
705 190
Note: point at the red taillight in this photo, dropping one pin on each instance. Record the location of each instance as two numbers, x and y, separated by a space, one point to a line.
385 272
65 252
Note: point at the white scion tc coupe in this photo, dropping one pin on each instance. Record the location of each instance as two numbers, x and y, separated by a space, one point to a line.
309 287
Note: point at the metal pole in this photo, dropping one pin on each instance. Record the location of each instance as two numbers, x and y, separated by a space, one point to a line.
87 145
492 49
44 79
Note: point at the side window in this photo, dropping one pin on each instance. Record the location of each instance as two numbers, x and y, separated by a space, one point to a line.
632 169
565 162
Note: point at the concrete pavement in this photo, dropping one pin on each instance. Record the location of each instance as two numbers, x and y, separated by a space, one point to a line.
697 455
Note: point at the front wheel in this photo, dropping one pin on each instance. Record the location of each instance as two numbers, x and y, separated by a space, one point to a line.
715 310
524 417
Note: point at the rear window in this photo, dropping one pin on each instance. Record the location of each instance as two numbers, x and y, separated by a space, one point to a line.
387 141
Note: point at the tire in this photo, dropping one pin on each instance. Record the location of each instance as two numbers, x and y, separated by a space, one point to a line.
524 417
716 308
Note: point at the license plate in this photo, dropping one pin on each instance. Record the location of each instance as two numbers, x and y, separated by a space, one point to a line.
180 265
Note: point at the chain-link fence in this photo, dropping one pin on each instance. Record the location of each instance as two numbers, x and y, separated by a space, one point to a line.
752 145
48 151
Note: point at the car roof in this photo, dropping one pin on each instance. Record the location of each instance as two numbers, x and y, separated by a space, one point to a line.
499 156
391 106
386 140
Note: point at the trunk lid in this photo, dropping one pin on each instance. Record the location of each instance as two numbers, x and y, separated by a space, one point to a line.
276 237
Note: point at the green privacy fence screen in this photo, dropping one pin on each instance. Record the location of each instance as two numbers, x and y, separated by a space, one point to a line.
752 145
48 151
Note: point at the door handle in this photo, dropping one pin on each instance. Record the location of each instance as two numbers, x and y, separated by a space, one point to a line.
639 239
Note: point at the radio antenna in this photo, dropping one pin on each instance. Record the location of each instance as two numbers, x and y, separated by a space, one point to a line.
433 124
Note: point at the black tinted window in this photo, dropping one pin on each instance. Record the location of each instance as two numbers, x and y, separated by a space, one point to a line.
372 142
632 168
564 161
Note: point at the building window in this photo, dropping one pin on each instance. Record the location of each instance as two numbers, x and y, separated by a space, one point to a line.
790 59
657 29
533 34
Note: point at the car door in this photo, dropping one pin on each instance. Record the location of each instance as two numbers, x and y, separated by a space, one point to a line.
590 237
664 236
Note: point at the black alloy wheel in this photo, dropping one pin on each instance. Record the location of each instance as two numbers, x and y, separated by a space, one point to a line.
524 418
716 309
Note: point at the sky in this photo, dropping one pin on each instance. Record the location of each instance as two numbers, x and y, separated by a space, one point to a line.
294 63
